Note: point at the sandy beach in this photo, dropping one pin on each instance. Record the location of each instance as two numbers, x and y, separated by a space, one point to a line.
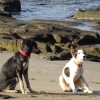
44 74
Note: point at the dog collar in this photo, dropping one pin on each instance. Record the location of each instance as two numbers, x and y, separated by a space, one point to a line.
24 54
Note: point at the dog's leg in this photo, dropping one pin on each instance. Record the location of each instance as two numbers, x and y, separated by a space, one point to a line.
70 81
63 84
72 85
12 83
19 74
85 86
78 84
11 86
27 80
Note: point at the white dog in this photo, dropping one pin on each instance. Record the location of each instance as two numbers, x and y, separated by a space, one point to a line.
72 78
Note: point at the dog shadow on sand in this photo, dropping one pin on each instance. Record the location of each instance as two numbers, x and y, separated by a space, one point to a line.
95 94
35 94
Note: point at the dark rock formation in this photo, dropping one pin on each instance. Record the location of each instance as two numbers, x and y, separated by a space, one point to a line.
8 6
5 10
14 5
54 38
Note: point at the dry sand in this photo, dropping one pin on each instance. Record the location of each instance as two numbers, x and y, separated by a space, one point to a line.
44 74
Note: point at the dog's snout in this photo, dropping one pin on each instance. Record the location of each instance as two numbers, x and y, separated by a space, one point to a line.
36 50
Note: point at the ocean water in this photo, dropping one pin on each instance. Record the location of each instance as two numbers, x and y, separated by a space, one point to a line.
53 9
56 10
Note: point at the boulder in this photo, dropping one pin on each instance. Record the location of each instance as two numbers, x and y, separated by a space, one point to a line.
89 40
61 56
43 47
10 44
56 49
52 58
93 52
89 14
57 38
5 10
14 5
44 37
64 55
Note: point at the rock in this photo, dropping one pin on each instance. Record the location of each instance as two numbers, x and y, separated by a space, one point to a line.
3 49
56 49
52 58
54 38
61 56
11 36
5 10
61 38
43 47
43 37
14 5
94 50
93 53
89 40
96 25
57 38
10 25
64 55
89 14
10 44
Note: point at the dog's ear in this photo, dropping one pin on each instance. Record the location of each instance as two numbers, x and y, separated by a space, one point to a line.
73 52
23 40
84 51
27 41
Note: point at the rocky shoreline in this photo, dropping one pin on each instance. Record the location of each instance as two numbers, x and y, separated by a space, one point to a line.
89 14
54 38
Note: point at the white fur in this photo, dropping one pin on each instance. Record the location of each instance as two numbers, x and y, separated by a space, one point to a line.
75 74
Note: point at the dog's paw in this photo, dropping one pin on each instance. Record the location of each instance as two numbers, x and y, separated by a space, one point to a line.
11 91
32 91
88 91
14 91
75 92
24 92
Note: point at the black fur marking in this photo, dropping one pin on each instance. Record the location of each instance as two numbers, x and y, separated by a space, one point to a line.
67 72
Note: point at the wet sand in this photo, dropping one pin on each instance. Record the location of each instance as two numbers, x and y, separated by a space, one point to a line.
44 74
